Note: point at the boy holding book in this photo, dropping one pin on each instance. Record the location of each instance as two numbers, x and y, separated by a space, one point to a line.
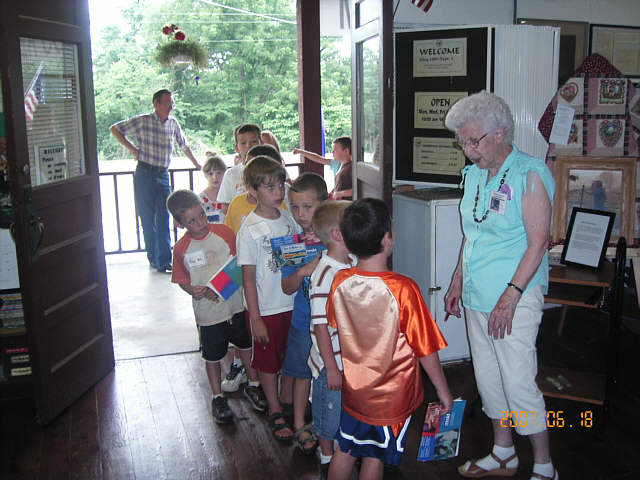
268 308
386 333
324 357
307 192
197 256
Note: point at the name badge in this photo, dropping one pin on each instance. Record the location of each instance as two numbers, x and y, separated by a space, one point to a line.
195 259
498 202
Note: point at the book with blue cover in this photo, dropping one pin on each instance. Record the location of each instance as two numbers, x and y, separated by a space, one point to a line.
294 250
441 432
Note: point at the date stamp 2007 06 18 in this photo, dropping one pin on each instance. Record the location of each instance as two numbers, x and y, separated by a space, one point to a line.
553 419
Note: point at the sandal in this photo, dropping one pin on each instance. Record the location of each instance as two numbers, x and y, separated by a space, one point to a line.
276 427
308 444
471 470
542 477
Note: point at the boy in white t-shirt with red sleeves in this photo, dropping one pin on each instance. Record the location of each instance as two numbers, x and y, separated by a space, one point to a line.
199 254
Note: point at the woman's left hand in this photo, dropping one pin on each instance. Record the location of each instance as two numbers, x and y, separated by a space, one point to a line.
502 315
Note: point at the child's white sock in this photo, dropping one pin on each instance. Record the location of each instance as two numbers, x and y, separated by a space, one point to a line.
546 470
489 463
254 384
237 362
324 459
218 395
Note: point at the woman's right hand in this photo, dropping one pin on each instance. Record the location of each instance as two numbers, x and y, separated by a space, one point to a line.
452 298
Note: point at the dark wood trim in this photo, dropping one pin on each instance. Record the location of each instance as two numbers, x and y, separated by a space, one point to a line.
309 105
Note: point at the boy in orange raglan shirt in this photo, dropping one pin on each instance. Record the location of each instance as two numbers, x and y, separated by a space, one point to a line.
385 333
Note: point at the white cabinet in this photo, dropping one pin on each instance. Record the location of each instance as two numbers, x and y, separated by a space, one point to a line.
427 233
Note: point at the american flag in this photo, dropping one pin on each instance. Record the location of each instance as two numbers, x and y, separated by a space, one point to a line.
34 95
423 4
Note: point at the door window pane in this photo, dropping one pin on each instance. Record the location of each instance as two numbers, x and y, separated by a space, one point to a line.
52 110
370 98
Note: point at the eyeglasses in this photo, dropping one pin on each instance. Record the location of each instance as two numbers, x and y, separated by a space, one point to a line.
170 104
471 143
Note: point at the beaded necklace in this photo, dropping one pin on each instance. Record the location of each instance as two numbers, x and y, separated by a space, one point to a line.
475 203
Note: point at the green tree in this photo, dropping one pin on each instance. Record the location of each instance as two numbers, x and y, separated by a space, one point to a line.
251 77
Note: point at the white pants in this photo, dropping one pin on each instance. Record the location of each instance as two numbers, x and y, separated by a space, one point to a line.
506 369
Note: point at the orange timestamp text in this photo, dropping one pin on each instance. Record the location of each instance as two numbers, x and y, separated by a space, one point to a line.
553 419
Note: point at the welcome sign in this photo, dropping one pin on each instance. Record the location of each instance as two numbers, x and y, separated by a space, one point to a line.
442 57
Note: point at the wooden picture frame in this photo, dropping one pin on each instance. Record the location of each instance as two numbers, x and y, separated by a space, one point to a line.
573 44
619 44
577 185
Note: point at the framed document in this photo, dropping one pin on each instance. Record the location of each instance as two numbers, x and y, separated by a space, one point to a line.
620 45
587 237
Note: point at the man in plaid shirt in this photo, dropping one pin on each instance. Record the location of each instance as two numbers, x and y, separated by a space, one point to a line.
155 134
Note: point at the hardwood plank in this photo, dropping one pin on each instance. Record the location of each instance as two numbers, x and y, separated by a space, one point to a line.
21 442
117 461
141 432
251 432
206 439
56 448
171 433
84 441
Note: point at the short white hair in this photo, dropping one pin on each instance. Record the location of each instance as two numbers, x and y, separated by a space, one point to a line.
486 108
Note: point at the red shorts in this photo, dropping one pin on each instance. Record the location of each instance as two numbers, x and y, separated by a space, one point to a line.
270 358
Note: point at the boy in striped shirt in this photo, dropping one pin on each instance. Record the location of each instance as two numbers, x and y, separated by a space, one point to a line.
324 357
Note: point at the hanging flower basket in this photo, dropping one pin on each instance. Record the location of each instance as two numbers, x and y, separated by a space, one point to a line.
178 50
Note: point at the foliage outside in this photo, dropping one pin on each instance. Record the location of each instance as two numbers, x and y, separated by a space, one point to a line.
251 73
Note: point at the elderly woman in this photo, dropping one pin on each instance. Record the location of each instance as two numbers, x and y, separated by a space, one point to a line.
501 278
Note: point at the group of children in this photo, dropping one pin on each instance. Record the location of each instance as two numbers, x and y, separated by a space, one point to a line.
358 333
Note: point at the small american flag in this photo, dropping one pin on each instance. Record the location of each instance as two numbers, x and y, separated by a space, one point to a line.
34 95
423 4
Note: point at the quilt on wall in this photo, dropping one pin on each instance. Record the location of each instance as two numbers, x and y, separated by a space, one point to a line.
606 121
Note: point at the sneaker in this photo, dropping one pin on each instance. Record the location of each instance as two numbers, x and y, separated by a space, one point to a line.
256 398
236 377
221 411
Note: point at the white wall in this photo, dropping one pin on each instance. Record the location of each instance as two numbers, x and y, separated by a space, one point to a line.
476 12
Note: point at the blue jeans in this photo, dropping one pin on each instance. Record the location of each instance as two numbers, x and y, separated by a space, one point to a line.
152 187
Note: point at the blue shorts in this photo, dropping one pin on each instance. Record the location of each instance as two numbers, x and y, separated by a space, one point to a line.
326 406
298 347
360 439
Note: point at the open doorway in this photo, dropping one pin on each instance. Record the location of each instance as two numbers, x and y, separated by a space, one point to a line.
251 76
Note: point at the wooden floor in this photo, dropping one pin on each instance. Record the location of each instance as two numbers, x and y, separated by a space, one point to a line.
150 419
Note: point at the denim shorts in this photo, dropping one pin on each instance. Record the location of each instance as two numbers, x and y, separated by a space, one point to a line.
298 347
326 406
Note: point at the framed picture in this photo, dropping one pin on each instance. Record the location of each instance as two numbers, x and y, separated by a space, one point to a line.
587 237
598 183
618 44
573 44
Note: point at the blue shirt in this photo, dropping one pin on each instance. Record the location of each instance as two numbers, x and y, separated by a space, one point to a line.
493 248
301 317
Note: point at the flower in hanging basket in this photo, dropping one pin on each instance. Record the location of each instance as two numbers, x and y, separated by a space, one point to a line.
188 51
180 36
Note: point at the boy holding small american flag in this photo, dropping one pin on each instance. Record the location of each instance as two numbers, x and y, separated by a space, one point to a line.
197 256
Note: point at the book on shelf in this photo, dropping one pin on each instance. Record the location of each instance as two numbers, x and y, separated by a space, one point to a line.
291 250
227 280
441 432
11 312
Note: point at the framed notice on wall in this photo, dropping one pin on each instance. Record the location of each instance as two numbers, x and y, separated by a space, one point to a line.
618 44
434 69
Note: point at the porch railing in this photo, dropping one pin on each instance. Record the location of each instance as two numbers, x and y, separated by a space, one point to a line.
120 222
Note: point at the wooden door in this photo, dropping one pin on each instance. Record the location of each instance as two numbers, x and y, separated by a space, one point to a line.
372 98
51 146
